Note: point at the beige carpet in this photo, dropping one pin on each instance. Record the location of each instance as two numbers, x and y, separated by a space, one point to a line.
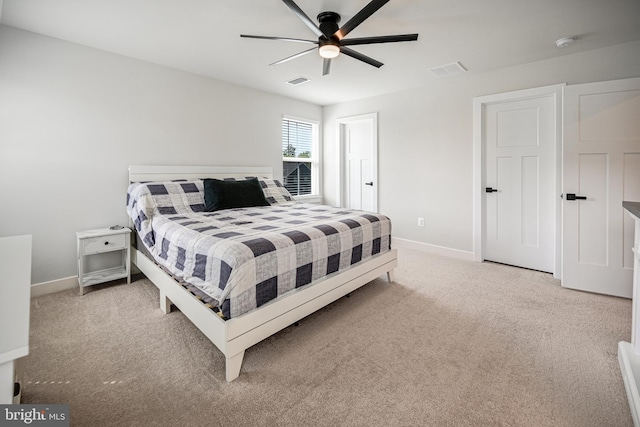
451 343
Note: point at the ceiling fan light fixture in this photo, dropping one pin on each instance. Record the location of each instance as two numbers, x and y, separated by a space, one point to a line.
329 51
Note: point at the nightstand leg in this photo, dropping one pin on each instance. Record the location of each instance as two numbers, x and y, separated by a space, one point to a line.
126 262
80 270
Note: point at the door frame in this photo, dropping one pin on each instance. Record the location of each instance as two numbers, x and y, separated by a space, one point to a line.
341 181
479 103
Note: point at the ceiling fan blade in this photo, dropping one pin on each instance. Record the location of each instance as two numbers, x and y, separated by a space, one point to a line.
297 55
359 17
286 39
326 66
357 55
307 21
380 39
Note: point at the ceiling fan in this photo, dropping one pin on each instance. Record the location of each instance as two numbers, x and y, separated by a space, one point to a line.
331 38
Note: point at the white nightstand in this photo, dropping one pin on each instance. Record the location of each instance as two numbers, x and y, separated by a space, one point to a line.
93 243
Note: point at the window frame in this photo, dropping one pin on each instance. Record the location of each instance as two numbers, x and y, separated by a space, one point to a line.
315 196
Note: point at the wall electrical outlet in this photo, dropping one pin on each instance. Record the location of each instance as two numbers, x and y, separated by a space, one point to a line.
420 222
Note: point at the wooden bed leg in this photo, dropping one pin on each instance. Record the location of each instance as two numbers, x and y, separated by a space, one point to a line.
391 277
165 303
234 363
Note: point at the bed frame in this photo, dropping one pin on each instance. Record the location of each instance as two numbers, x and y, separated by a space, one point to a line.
234 336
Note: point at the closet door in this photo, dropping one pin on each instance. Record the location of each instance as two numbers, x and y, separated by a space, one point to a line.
519 176
601 168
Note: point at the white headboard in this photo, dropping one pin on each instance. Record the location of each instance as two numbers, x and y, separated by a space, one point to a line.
141 173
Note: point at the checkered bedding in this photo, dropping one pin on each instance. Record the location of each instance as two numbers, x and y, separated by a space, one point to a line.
243 258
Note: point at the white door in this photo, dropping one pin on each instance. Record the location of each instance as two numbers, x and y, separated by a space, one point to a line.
358 139
519 176
601 162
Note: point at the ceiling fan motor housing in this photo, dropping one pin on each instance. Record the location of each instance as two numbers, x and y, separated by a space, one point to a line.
328 23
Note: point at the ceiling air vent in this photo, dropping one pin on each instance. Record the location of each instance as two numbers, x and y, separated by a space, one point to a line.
447 70
298 81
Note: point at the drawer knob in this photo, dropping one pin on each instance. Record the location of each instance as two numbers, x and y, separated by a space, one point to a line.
106 243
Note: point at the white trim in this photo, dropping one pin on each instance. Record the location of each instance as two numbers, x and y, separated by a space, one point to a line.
53 286
397 242
479 103
316 171
301 119
341 121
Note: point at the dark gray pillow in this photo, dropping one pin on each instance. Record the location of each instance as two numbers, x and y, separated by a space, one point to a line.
220 194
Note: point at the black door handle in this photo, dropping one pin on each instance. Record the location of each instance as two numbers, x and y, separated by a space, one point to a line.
369 183
571 196
491 190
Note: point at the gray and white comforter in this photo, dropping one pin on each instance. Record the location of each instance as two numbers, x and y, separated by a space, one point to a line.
243 258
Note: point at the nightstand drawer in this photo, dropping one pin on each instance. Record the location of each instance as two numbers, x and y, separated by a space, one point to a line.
93 245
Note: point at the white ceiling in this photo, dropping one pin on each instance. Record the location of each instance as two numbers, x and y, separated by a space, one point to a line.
203 37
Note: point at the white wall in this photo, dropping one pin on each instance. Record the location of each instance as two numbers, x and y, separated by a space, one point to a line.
73 118
425 140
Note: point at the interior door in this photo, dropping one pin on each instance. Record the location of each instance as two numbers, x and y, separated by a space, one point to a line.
519 146
359 146
601 168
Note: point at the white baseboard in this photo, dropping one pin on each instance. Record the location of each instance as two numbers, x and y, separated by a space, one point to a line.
44 288
433 249
53 286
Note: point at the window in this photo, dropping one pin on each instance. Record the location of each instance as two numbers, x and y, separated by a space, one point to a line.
300 156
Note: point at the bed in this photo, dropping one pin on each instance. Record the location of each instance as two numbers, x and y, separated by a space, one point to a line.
242 274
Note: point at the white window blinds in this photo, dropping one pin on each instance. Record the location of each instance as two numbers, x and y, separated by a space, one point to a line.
298 157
